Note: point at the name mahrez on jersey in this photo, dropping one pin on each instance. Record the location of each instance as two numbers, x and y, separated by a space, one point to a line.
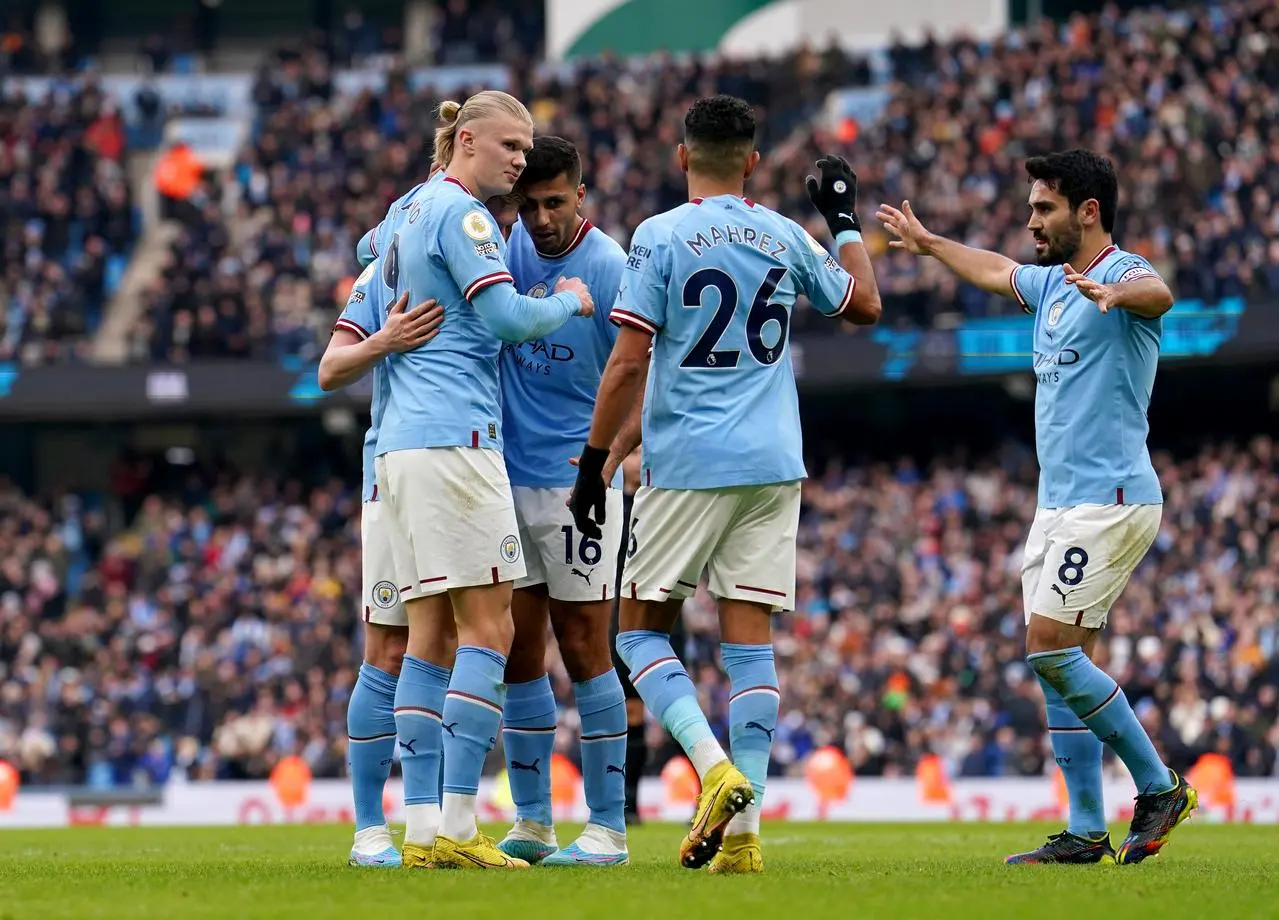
743 236
541 355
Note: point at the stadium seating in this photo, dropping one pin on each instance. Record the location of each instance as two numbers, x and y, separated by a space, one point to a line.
66 222
215 633
1200 192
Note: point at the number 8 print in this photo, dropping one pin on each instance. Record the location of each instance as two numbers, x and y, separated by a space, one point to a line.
1072 570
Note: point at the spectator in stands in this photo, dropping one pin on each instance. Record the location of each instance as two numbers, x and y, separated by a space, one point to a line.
214 633
66 222
178 172
959 118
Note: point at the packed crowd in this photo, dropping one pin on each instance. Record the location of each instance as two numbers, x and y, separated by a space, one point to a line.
216 631
66 221
1185 103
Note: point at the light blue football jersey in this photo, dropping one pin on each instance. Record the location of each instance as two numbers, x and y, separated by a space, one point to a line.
439 241
715 281
1094 375
366 250
366 307
549 384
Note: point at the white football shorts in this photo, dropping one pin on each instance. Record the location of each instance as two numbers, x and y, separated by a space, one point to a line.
381 589
454 519
573 567
744 536
1077 560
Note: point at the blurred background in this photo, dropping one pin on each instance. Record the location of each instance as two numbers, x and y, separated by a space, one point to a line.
182 185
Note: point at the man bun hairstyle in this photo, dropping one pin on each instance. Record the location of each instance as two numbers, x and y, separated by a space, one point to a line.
453 115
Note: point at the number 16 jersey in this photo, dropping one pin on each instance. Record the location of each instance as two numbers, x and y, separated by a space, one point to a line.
715 281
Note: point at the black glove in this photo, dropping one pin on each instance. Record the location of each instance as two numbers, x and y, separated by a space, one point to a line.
589 492
836 194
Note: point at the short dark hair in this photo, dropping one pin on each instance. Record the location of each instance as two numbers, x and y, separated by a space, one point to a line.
718 129
1078 175
551 156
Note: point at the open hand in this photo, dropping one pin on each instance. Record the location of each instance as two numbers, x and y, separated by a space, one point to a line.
1103 295
912 235
405 330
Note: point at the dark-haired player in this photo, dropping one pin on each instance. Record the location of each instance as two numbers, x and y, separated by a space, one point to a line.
1097 330
548 393
711 285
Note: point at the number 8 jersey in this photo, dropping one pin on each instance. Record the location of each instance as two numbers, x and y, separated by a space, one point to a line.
715 282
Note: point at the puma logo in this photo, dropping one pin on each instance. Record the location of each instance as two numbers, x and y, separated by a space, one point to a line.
615 769
1064 594
671 676
386 763
408 746
448 727
532 767
1111 738
585 576
767 731
1063 761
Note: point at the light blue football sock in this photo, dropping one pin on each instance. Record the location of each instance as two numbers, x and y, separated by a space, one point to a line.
1100 703
602 708
528 735
370 730
752 709
472 712
1078 753
419 700
665 687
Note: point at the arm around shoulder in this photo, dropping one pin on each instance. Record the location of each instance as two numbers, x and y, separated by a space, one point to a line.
514 317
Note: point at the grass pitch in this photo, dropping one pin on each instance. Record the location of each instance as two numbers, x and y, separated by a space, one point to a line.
948 871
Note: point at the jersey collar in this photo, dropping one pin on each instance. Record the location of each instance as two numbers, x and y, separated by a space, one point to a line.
1101 257
583 229
462 185
699 199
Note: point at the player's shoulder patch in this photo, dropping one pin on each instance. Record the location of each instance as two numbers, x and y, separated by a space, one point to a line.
476 225
369 271
1133 267
817 248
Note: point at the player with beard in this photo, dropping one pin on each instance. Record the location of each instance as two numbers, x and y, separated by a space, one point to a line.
548 393
1096 347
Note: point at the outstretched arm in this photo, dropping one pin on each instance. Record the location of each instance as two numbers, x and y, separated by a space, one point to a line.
987 270
834 195
1146 295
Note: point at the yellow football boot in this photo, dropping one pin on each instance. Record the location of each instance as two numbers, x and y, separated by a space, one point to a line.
725 792
415 857
741 855
480 852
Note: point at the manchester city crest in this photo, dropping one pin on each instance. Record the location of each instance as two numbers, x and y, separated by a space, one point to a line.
386 595
1055 311
538 290
510 548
